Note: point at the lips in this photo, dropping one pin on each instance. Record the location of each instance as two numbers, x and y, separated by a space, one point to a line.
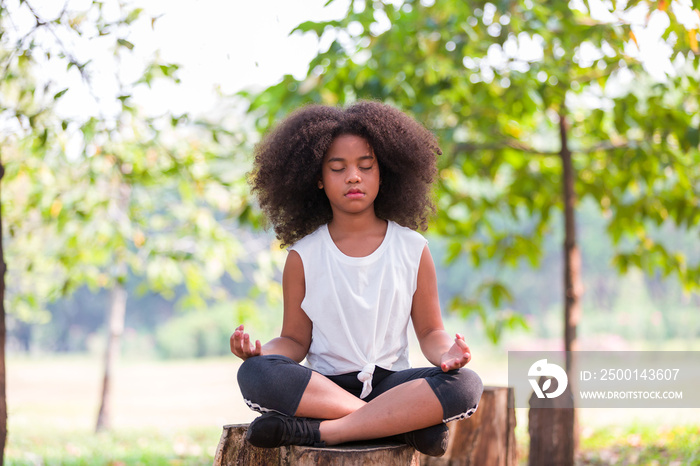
354 194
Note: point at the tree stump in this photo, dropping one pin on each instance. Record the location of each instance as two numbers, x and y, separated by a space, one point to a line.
234 450
486 438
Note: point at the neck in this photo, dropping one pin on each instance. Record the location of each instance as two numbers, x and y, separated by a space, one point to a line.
353 224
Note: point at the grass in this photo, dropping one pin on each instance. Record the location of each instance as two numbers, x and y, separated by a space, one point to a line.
633 445
164 412
153 446
642 444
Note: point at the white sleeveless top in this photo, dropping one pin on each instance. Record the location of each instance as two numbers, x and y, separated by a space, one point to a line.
360 306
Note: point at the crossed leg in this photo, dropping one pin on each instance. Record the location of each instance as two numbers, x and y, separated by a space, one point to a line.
400 402
350 418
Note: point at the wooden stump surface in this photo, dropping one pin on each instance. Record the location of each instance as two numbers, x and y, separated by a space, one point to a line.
234 450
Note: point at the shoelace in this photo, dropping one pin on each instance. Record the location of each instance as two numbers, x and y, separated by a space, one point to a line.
299 430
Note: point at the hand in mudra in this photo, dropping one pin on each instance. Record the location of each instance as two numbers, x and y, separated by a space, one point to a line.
241 345
457 356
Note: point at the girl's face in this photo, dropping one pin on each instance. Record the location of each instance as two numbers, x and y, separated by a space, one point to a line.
350 175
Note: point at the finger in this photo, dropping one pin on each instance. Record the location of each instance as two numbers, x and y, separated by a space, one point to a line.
240 339
232 342
448 365
246 344
236 339
466 358
252 349
457 363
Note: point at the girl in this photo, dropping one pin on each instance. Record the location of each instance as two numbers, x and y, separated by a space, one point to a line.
345 189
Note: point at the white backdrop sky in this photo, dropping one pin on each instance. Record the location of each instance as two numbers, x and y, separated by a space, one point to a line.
232 44
239 44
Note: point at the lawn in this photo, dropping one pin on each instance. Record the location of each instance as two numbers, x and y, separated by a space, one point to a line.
164 412
171 413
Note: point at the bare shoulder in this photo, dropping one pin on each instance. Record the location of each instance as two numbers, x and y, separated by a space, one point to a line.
294 261
426 261
293 274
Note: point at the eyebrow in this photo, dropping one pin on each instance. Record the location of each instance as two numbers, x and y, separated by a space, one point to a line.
341 159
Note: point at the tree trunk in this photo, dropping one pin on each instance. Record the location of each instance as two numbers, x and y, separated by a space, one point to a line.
117 311
573 285
3 399
573 282
551 422
545 422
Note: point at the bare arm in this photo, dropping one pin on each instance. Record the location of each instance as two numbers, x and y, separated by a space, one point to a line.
435 343
295 338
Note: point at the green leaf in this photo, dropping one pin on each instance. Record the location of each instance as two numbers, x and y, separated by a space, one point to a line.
125 43
133 15
59 94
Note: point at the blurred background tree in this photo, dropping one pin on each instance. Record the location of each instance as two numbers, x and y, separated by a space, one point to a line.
96 195
537 105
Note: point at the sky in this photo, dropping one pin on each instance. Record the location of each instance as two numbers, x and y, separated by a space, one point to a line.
236 44
233 44
226 45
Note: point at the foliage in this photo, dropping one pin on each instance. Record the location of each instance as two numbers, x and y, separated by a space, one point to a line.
495 81
92 197
199 334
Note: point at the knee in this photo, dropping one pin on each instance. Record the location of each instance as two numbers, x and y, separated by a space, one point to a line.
256 372
470 387
460 394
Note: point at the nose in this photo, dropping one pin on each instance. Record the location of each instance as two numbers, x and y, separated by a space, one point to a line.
353 176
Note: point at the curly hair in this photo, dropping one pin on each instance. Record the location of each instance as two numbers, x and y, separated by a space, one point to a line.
288 163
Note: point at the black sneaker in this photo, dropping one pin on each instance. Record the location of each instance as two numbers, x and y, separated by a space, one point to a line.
431 441
272 430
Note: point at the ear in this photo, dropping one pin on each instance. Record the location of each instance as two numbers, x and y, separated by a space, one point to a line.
320 184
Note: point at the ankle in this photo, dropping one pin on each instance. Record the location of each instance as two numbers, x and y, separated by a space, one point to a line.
330 434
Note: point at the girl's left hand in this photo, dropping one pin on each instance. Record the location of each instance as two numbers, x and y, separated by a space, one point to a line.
457 356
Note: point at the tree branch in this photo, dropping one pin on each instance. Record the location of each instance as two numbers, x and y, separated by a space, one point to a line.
69 56
506 144
518 145
606 146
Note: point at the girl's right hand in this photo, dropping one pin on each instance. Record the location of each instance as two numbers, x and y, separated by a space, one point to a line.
241 345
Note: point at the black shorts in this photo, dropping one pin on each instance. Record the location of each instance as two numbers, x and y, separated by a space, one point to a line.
277 383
